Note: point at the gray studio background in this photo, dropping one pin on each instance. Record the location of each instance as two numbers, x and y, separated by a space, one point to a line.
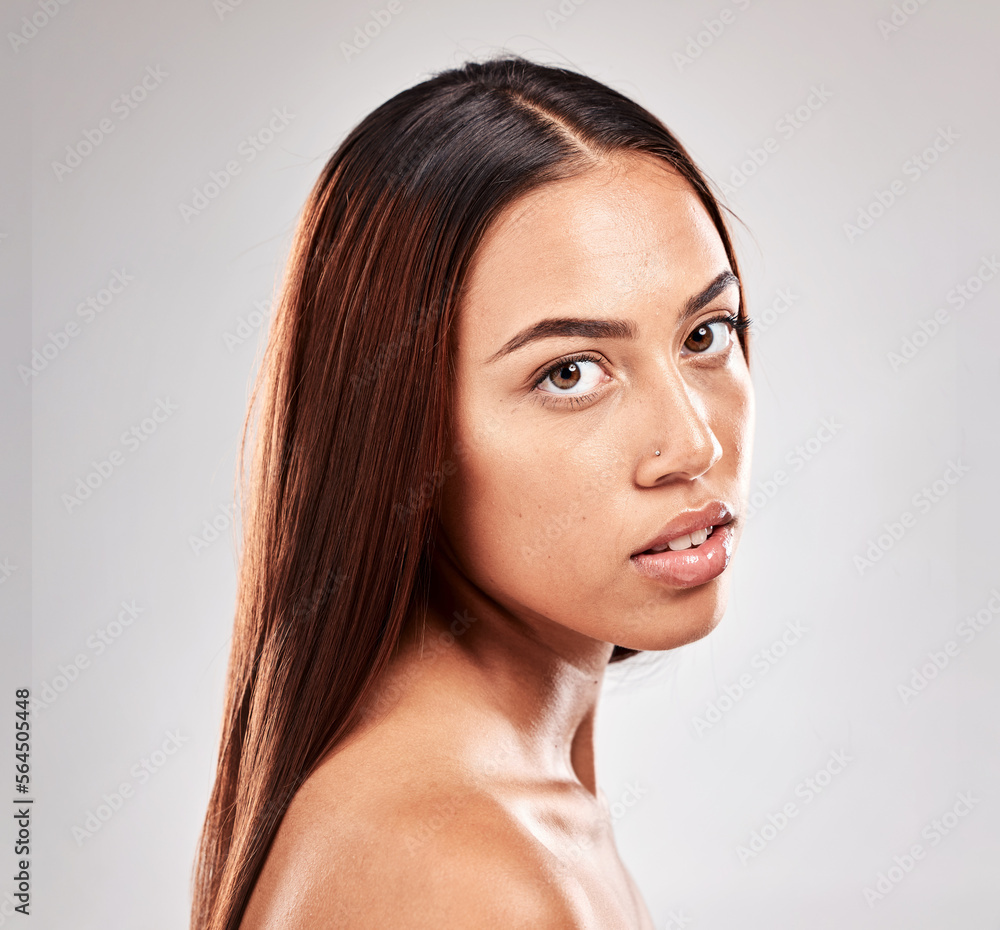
851 581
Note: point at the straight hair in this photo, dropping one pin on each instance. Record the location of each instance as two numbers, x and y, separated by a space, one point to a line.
352 432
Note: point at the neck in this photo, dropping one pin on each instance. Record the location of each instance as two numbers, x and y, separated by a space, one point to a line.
522 678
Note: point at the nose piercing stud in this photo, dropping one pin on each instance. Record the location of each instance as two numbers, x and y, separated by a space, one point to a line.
657 452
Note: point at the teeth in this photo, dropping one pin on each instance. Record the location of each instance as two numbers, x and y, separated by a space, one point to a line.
688 541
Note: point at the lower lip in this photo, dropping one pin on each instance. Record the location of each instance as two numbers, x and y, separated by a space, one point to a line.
688 568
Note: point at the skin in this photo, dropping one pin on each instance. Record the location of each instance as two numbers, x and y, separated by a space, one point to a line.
467 796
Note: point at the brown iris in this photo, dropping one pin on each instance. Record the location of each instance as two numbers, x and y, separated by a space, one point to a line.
700 339
556 375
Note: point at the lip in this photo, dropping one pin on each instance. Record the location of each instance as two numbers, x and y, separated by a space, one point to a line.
714 513
688 568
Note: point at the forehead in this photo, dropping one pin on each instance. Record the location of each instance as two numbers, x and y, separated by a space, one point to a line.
622 237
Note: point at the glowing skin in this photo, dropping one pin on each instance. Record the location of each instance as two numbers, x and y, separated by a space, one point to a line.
484 739
580 484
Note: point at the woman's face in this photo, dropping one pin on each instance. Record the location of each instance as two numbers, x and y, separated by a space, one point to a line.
557 485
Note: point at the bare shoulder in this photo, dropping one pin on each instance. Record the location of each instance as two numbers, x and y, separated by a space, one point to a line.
415 852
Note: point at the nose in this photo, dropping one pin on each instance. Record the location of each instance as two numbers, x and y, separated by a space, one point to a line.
677 423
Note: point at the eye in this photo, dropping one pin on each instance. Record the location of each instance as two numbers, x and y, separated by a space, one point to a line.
572 377
716 335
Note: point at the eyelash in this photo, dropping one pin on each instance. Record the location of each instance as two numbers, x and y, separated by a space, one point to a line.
738 324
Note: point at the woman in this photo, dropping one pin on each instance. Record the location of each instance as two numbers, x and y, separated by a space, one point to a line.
504 440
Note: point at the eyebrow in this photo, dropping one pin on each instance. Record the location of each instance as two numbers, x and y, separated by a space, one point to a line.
608 329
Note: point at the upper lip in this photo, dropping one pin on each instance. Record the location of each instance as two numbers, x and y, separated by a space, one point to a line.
714 513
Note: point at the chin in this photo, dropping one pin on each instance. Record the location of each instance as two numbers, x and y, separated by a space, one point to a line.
670 621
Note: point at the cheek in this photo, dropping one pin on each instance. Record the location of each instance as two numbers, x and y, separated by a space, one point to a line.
529 523
737 417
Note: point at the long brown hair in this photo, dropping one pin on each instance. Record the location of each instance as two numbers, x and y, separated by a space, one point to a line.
354 390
